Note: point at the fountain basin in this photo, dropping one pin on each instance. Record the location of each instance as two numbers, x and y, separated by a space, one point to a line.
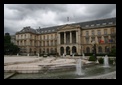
89 71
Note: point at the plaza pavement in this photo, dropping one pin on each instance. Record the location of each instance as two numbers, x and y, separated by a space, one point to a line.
32 63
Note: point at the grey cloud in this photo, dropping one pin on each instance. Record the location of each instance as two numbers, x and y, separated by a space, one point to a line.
17 16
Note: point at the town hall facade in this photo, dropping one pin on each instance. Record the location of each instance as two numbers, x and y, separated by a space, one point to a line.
69 38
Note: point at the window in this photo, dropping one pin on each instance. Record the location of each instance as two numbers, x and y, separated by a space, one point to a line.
87 33
42 32
44 37
51 36
48 30
107 50
106 39
113 39
97 24
104 23
105 31
87 40
110 22
87 50
93 32
25 35
99 38
87 25
47 43
112 31
100 49
47 36
92 25
98 32
43 43
93 38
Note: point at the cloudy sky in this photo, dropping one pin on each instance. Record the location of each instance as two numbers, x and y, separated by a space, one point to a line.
17 16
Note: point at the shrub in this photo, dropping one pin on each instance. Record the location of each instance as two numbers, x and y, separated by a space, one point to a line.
100 60
115 60
110 61
92 58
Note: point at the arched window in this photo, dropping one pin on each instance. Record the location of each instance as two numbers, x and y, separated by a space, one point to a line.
99 49
87 50
74 49
47 50
61 50
30 50
106 49
67 50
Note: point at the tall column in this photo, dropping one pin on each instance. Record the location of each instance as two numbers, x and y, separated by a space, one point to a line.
76 36
65 50
70 50
64 37
59 38
71 37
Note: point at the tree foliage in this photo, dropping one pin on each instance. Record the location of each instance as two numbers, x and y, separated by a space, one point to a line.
113 51
9 47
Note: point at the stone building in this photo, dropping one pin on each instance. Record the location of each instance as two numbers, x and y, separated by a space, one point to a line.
13 39
69 38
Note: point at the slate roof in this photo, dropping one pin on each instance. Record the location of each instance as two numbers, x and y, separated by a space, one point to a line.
84 25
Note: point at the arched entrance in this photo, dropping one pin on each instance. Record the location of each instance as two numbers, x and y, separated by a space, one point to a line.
67 50
61 50
74 49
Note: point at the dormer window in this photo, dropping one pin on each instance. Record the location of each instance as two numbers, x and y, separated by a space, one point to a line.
110 22
92 25
97 24
87 25
104 23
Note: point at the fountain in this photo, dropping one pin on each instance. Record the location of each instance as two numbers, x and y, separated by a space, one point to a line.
106 63
83 55
17 54
63 54
79 70
73 55
64 70
38 54
27 54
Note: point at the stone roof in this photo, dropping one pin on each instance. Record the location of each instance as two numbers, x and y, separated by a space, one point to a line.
84 25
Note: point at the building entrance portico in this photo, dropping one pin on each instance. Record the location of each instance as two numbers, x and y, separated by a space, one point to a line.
68 50
69 40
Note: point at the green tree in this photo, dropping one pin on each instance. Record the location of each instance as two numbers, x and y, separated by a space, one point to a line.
9 47
113 51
